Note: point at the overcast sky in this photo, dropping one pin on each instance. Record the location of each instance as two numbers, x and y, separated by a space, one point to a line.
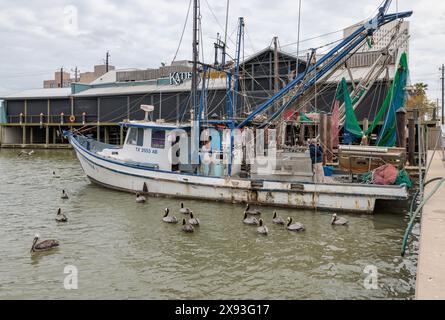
39 37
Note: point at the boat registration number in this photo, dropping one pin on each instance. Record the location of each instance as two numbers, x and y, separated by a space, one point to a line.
146 150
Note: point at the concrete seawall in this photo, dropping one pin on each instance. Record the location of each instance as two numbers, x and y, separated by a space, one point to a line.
430 282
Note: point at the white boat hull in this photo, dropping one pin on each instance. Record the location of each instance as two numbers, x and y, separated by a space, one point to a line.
299 195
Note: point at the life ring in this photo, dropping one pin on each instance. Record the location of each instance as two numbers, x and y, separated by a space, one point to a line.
72 118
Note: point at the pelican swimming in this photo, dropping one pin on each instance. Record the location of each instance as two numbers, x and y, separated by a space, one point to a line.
262 229
167 218
184 210
277 220
250 220
187 227
294 227
43 245
64 195
252 212
60 217
140 198
25 153
338 221
193 221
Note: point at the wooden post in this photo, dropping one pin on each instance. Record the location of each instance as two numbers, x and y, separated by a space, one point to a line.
98 119
24 134
401 128
302 134
106 134
322 133
24 122
31 138
329 144
48 120
121 136
412 138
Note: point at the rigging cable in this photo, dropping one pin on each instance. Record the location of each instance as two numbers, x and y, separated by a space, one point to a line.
183 30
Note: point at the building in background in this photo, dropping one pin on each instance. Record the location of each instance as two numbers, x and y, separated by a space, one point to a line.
63 79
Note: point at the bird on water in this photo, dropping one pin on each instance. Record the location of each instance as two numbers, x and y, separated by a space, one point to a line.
184 210
187 227
64 195
140 198
193 221
60 217
297 226
167 218
277 220
250 220
338 221
252 212
44 245
262 229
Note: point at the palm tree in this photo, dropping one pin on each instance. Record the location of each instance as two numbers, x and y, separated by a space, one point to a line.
421 88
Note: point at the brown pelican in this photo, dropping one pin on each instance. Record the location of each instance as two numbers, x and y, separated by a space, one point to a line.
184 210
140 198
262 229
250 220
167 218
64 195
193 221
60 217
294 227
338 221
43 245
55 175
252 212
187 227
26 153
277 220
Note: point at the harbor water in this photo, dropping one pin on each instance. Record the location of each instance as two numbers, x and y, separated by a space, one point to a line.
122 249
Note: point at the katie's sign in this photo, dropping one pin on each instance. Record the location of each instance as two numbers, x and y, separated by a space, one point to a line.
179 77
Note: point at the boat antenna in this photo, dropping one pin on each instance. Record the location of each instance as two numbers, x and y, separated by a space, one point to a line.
225 33
298 38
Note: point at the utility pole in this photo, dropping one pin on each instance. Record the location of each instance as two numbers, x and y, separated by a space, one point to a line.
443 92
107 61
275 65
61 77
76 71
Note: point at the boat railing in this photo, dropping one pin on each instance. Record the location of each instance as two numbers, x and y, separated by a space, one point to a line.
94 145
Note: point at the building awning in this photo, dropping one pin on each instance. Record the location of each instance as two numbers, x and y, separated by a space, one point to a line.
50 93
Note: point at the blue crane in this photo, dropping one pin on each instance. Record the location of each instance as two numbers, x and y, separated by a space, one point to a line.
325 64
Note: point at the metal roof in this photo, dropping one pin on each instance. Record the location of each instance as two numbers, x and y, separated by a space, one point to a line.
51 93
147 88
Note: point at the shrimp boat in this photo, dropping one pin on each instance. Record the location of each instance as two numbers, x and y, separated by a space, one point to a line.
144 162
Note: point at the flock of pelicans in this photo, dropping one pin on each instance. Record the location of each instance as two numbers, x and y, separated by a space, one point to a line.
189 224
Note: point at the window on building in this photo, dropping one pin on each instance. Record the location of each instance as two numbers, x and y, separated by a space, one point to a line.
136 137
158 139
